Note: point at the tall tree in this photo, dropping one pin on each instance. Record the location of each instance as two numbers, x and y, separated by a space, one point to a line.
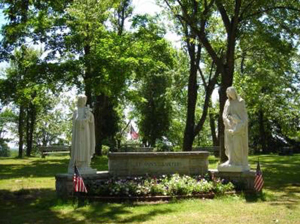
155 57
75 34
268 76
7 118
178 94
155 109
112 54
237 17
54 124
21 86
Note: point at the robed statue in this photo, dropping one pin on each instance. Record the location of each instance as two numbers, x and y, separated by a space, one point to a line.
235 120
83 138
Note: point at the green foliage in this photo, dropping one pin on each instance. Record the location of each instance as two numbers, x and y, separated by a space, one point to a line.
86 45
177 94
268 81
22 85
151 96
105 149
7 117
4 149
162 145
18 84
155 110
221 28
54 125
82 49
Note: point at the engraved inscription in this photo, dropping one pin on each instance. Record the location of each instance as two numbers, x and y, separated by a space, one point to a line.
157 164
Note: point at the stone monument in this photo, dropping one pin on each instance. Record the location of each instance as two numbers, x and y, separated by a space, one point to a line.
235 120
121 164
157 163
83 138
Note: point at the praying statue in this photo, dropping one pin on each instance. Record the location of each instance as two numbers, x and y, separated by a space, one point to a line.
235 120
83 138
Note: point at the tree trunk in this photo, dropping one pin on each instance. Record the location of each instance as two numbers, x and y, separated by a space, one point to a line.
262 131
105 122
118 144
98 113
20 130
121 15
213 129
27 131
88 75
226 81
32 117
44 140
192 99
227 68
208 92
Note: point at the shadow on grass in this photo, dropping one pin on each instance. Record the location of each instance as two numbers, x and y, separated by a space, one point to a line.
34 168
47 167
255 197
42 206
280 172
281 177
121 213
29 206
290 199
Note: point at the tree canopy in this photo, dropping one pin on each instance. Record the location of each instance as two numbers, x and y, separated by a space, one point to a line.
122 61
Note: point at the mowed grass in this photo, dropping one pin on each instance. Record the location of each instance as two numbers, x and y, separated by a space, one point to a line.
27 195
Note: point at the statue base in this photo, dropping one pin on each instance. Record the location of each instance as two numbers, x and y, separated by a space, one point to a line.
64 182
82 170
226 167
242 180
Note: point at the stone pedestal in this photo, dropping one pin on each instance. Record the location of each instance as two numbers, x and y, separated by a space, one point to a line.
138 164
225 167
64 182
83 170
157 163
242 180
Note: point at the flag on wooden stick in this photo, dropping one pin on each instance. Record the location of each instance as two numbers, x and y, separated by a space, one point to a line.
134 135
78 182
258 181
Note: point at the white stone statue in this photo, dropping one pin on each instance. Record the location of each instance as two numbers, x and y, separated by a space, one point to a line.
83 138
235 120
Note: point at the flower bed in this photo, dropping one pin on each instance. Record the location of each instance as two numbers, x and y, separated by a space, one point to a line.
162 186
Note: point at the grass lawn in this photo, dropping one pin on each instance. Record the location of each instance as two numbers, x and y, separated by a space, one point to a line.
27 195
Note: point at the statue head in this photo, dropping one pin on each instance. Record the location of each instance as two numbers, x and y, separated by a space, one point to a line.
231 93
81 100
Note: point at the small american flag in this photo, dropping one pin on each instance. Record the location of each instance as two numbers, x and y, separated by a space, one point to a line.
78 182
134 135
258 181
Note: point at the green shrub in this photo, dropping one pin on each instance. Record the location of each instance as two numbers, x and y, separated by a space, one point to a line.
105 149
4 150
